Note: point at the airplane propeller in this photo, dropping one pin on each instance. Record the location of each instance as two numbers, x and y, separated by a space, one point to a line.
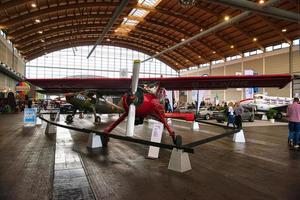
132 106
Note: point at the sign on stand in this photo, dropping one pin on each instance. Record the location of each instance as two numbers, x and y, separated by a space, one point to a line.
29 117
155 137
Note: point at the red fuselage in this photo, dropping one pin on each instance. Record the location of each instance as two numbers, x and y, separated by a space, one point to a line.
148 107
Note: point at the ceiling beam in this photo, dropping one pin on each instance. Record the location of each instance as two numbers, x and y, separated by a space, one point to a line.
250 36
244 33
276 29
111 22
45 12
257 8
23 31
210 30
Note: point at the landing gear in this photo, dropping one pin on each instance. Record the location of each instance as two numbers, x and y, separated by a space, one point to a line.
69 119
104 140
178 141
97 120
279 115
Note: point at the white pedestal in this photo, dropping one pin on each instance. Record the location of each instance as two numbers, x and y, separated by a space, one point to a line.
179 161
195 126
81 115
94 141
239 137
155 137
38 121
50 129
264 117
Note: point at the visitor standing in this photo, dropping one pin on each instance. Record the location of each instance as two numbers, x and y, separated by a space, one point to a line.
238 115
293 114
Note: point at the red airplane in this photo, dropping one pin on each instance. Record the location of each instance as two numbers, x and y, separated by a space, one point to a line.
149 103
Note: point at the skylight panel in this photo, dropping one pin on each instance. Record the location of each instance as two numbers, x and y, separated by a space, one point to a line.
131 22
151 3
139 13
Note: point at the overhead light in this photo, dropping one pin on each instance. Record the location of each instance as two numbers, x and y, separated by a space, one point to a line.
201 29
156 52
254 39
176 63
226 18
108 40
33 5
261 1
40 32
38 21
284 30
42 40
182 39
199 56
213 52
232 46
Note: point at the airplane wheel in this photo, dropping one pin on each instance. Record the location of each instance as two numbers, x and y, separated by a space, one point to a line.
207 116
279 115
69 118
104 140
178 140
98 119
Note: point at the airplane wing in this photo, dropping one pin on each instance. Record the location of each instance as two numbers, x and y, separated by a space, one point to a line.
172 83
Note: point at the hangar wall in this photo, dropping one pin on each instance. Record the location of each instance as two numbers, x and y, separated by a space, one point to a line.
10 57
275 62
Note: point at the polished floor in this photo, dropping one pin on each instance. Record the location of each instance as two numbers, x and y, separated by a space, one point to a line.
262 168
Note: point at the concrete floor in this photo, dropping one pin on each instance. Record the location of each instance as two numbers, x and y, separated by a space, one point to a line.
263 168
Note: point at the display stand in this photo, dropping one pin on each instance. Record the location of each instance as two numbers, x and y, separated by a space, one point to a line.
50 128
155 137
29 117
264 117
195 126
179 161
81 115
239 137
38 121
94 141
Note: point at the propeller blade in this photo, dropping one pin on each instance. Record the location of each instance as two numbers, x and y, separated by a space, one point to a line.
135 76
132 109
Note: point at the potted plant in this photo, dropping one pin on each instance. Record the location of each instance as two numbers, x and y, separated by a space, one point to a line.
271 114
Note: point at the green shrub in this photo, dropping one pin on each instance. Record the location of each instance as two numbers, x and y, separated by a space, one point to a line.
271 113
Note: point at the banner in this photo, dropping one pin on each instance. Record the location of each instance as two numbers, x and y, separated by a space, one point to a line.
200 96
169 95
249 91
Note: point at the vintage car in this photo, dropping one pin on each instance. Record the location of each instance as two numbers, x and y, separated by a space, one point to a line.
205 113
247 115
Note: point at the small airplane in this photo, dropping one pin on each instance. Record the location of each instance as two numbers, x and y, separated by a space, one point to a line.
141 102
263 103
88 101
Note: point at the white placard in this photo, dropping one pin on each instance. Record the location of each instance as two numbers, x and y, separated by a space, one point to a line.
155 137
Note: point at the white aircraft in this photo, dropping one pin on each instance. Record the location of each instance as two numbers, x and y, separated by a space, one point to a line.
263 103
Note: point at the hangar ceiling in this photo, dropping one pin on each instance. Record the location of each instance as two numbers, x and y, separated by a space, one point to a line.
36 27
